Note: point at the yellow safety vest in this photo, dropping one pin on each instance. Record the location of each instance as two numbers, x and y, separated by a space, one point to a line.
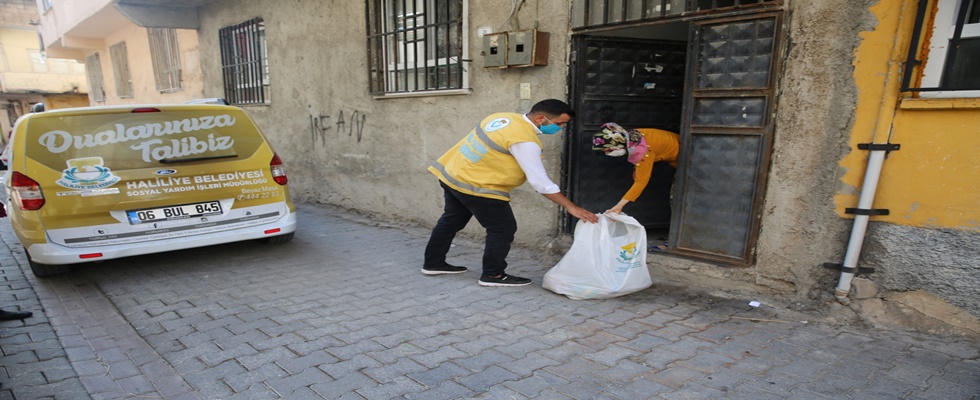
481 164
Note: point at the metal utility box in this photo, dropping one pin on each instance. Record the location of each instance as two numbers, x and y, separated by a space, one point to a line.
527 48
495 50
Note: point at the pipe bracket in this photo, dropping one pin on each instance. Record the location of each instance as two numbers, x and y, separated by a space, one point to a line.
879 146
849 270
866 211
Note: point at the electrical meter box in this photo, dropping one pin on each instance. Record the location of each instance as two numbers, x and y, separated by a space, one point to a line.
495 50
527 48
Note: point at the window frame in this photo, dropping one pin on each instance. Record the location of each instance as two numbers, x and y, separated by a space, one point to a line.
119 55
421 57
165 56
597 13
245 63
949 24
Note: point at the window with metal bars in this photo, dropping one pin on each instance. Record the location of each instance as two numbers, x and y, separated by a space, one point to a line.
416 46
165 55
245 62
952 53
120 70
587 13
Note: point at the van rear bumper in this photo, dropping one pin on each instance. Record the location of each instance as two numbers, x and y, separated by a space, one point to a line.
53 254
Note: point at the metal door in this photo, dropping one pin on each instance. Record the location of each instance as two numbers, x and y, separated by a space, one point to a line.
639 84
726 138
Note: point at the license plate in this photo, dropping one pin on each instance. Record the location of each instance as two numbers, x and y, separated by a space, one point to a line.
174 212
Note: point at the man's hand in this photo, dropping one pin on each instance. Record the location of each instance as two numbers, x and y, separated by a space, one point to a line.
576 211
583 214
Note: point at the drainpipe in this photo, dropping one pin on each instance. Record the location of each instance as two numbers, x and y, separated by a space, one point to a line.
889 106
868 189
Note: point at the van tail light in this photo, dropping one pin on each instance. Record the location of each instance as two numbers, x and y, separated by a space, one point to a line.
26 192
278 170
145 110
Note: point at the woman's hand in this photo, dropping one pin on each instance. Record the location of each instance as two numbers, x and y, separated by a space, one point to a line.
618 208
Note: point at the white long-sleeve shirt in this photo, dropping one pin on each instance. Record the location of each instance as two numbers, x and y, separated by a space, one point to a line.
528 156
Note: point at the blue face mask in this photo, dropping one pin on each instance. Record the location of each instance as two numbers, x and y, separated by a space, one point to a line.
551 129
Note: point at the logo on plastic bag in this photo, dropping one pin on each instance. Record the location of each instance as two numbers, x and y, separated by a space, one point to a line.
627 257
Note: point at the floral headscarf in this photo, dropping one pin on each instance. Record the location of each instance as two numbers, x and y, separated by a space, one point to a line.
611 138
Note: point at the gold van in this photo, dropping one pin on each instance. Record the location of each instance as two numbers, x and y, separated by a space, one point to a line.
97 183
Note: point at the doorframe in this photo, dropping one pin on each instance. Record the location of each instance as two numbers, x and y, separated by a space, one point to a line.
762 179
765 153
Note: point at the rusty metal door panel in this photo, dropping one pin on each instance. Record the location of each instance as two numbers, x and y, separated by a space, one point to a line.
717 201
726 139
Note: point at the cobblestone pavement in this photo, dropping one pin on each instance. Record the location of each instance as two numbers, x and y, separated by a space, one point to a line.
342 312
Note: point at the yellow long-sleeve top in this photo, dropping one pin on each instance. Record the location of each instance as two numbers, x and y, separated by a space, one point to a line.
661 146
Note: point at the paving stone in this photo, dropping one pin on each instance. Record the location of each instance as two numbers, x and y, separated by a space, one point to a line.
400 386
884 387
346 384
287 385
447 390
780 383
529 364
481 381
585 387
532 386
389 372
675 376
483 360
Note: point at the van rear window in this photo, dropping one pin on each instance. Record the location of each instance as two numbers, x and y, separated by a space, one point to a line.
141 140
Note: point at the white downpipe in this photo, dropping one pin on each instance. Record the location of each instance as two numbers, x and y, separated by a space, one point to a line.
868 189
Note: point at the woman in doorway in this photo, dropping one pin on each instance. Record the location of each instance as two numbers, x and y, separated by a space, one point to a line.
642 147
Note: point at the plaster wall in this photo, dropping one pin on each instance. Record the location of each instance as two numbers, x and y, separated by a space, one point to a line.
141 68
345 148
17 13
17 74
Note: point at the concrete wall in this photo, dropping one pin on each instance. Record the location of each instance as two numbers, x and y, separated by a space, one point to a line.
373 155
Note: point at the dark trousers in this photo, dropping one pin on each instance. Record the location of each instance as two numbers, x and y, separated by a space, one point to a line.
494 215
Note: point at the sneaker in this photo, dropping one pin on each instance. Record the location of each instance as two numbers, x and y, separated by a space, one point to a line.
14 315
504 280
445 269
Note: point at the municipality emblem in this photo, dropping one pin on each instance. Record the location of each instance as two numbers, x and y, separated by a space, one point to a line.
628 257
498 123
86 174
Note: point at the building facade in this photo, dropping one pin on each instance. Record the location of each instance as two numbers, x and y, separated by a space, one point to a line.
788 111
27 76
124 63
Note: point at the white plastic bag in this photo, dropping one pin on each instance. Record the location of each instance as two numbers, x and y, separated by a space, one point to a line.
607 259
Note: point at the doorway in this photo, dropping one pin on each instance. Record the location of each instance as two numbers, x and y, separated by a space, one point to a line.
710 79
635 78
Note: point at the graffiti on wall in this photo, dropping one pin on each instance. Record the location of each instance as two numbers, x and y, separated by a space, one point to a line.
319 128
356 124
352 125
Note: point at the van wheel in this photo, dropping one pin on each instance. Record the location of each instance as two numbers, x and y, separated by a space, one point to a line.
278 239
45 270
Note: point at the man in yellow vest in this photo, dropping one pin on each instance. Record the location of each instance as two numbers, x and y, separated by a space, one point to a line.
477 175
